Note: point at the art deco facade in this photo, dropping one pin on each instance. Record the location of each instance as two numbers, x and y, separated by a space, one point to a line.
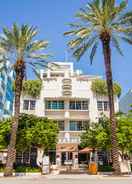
66 96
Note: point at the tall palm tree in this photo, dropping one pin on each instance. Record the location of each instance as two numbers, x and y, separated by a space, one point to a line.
22 50
106 22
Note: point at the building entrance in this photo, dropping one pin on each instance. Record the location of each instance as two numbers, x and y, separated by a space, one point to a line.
67 154
66 157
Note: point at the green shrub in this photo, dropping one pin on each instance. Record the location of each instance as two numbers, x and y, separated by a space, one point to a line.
105 168
27 169
1 169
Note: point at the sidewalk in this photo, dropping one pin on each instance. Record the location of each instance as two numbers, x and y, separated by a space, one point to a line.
66 179
85 176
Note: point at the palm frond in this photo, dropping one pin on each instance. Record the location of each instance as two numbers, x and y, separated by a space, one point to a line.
97 12
18 42
100 17
69 32
16 34
36 45
76 42
38 65
36 72
117 45
127 39
76 25
9 39
38 56
93 52
126 19
79 52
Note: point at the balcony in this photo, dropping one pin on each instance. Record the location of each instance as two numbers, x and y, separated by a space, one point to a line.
55 114
71 140
79 114
69 137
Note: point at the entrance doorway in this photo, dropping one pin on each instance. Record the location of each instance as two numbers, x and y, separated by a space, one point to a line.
66 157
84 158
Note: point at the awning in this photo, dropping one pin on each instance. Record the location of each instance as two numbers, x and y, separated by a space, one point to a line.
67 148
86 150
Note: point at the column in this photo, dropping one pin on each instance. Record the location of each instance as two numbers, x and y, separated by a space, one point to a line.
75 160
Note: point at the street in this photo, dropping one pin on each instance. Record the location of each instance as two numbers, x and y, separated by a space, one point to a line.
66 179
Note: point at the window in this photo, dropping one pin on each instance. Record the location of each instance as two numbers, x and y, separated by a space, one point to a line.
32 104
78 105
29 105
61 125
25 104
100 105
103 105
72 105
55 104
84 105
106 106
78 125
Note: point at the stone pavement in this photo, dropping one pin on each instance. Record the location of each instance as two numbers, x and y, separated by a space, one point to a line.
66 179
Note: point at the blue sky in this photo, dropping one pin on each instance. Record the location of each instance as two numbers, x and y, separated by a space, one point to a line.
52 18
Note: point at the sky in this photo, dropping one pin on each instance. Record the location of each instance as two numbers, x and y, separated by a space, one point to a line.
52 18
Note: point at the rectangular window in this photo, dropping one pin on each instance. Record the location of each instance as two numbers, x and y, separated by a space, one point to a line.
103 105
25 104
106 106
99 105
75 125
48 104
85 105
78 105
61 125
72 105
32 104
29 104
54 104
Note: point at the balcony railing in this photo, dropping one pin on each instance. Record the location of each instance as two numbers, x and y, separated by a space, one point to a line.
71 140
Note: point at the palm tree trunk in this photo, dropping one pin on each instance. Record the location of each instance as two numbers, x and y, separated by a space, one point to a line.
105 38
11 154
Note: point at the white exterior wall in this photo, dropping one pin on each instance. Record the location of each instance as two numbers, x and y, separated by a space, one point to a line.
81 90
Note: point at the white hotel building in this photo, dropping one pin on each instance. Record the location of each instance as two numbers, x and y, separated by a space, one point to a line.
66 96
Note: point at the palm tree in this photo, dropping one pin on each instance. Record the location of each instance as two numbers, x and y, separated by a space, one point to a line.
106 22
22 50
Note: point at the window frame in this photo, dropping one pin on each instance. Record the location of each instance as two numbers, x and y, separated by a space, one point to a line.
61 125
77 125
26 105
29 106
54 105
32 106
104 104
82 105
